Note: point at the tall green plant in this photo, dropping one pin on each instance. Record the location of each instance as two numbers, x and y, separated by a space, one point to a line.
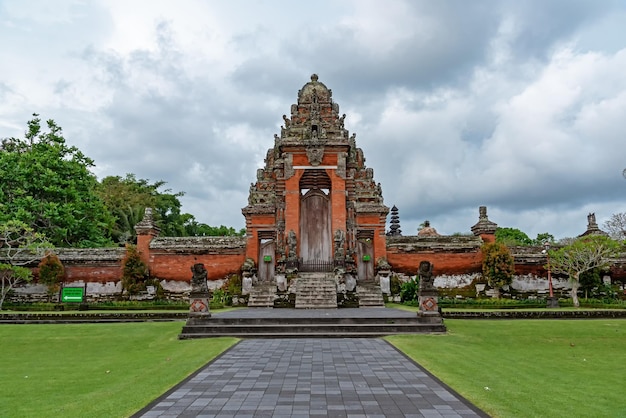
51 273
409 290
498 265
134 271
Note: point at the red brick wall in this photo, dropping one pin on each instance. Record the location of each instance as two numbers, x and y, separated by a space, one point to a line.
93 273
443 263
178 266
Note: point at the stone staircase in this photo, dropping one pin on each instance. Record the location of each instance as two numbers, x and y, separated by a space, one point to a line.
315 291
311 323
370 295
262 296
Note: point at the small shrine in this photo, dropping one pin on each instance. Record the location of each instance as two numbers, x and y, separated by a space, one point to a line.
315 206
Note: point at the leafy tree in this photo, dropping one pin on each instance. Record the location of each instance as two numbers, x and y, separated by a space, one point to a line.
47 185
196 229
134 271
128 197
616 226
582 255
544 237
19 247
51 273
498 265
512 237
589 281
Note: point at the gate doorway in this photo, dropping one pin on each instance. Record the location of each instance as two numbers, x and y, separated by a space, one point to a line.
267 251
365 259
315 225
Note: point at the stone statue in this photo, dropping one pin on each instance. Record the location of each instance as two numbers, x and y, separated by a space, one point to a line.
425 273
292 244
198 279
340 240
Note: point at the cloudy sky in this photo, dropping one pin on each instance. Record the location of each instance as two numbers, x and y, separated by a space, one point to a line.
519 106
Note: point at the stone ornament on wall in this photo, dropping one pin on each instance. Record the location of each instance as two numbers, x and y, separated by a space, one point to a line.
315 154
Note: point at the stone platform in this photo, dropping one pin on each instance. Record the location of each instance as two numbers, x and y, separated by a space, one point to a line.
318 323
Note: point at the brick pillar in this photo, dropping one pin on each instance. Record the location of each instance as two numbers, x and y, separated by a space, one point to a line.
146 230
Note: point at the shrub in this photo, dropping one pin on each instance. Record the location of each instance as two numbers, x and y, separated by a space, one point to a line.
233 285
51 273
134 271
498 265
409 290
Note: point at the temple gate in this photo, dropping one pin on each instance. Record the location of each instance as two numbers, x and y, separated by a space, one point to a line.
315 197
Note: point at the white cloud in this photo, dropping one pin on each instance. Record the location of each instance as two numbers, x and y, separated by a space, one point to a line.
521 107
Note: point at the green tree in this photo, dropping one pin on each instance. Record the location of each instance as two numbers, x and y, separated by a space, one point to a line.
128 197
196 229
20 246
51 273
512 237
589 281
582 255
134 271
544 237
47 185
498 265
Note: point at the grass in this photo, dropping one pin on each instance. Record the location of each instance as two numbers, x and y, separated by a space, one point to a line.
94 370
529 368
532 368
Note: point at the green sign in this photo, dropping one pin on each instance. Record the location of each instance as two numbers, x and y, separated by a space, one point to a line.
72 294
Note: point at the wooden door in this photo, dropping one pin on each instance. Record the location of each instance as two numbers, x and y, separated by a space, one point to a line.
365 260
267 248
315 226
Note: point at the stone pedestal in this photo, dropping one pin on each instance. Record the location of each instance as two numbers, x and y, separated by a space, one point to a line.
199 306
552 302
199 298
428 304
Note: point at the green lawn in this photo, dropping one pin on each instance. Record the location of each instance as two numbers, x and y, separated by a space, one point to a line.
94 370
530 368
509 368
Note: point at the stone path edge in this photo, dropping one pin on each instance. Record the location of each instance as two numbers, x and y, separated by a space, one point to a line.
174 388
462 398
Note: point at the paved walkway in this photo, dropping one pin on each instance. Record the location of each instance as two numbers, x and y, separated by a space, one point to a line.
351 377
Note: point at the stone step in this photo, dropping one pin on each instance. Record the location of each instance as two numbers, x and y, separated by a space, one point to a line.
262 296
302 330
308 330
370 295
316 291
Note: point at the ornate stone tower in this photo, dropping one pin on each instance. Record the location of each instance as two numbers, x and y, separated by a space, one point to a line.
315 205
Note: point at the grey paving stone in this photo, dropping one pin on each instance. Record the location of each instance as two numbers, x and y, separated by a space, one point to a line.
311 377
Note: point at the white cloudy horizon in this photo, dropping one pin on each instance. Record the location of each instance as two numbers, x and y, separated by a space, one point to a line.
517 106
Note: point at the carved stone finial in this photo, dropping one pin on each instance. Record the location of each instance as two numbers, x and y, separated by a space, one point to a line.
592 226
147 226
484 225
314 77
